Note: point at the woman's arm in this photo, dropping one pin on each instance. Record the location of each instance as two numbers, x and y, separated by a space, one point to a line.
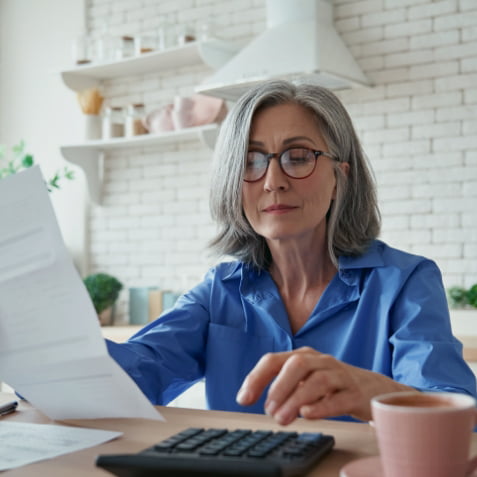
167 356
315 385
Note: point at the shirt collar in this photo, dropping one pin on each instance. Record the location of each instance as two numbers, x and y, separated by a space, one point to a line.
351 266
371 258
233 270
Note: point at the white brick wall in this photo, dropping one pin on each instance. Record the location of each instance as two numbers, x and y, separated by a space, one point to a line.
418 124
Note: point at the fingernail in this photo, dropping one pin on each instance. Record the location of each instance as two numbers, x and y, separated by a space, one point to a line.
243 396
270 408
283 417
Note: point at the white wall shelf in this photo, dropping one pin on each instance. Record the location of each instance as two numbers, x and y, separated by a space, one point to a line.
89 155
213 53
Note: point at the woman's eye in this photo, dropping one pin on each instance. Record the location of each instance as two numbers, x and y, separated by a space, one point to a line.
298 156
255 160
298 159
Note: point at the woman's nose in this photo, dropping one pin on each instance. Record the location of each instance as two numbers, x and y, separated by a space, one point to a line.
275 178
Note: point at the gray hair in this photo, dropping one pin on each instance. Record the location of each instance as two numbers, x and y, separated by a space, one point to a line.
353 219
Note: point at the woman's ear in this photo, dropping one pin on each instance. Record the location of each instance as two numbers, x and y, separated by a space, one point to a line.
344 166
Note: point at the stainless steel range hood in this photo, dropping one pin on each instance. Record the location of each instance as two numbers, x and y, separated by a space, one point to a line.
299 44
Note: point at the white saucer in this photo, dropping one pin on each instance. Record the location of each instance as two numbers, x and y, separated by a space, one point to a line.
369 467
365 467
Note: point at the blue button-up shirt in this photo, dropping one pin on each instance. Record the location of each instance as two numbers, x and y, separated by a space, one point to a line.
385 311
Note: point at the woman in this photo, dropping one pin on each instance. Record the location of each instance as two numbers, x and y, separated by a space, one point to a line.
315 316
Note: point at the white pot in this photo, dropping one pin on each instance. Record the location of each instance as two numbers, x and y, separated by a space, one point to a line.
92 126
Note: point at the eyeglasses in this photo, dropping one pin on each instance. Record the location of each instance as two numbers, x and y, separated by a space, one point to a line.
297 163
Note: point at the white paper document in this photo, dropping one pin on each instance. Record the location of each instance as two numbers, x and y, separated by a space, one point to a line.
51 348
24 443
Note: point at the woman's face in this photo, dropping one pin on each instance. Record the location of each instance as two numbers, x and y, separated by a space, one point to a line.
278 207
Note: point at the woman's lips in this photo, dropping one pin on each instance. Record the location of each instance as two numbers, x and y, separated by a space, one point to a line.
279 209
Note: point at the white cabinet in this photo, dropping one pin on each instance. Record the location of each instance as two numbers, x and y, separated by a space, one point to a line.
90 154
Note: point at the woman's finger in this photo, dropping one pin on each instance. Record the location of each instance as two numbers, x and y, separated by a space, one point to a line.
257 380
318 384
288 385
341 402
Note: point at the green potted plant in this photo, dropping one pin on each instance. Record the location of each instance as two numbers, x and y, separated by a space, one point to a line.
20 160
463 311
104 291
460 297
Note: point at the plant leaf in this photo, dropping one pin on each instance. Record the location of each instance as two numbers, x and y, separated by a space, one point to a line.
53 182
27 160
19 148
472 295
23 161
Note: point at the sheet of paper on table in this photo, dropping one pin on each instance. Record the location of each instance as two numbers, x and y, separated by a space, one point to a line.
51 348
25 443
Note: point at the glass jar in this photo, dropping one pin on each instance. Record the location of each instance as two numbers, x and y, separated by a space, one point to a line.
134 117
144 44
117 122
165 35
113 123
185 34
125 47
106 45
205 31
81 49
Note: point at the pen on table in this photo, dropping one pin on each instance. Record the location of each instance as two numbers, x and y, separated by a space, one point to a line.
8 408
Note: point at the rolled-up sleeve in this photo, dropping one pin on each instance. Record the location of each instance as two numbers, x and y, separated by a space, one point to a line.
425 353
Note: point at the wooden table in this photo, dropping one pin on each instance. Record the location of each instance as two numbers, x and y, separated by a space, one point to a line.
353 440
470 347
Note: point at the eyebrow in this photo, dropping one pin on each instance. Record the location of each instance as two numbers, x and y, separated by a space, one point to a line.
285 141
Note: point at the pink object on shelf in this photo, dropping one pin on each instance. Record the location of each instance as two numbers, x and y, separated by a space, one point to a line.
186 112
159 120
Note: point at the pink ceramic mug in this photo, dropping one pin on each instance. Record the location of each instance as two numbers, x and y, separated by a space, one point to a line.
425 434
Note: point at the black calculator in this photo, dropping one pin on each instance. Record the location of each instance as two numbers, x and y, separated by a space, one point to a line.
222 452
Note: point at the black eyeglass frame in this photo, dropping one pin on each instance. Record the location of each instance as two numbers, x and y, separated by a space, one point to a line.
269 156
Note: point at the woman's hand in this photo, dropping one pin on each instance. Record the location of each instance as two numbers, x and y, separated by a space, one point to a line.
313 385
